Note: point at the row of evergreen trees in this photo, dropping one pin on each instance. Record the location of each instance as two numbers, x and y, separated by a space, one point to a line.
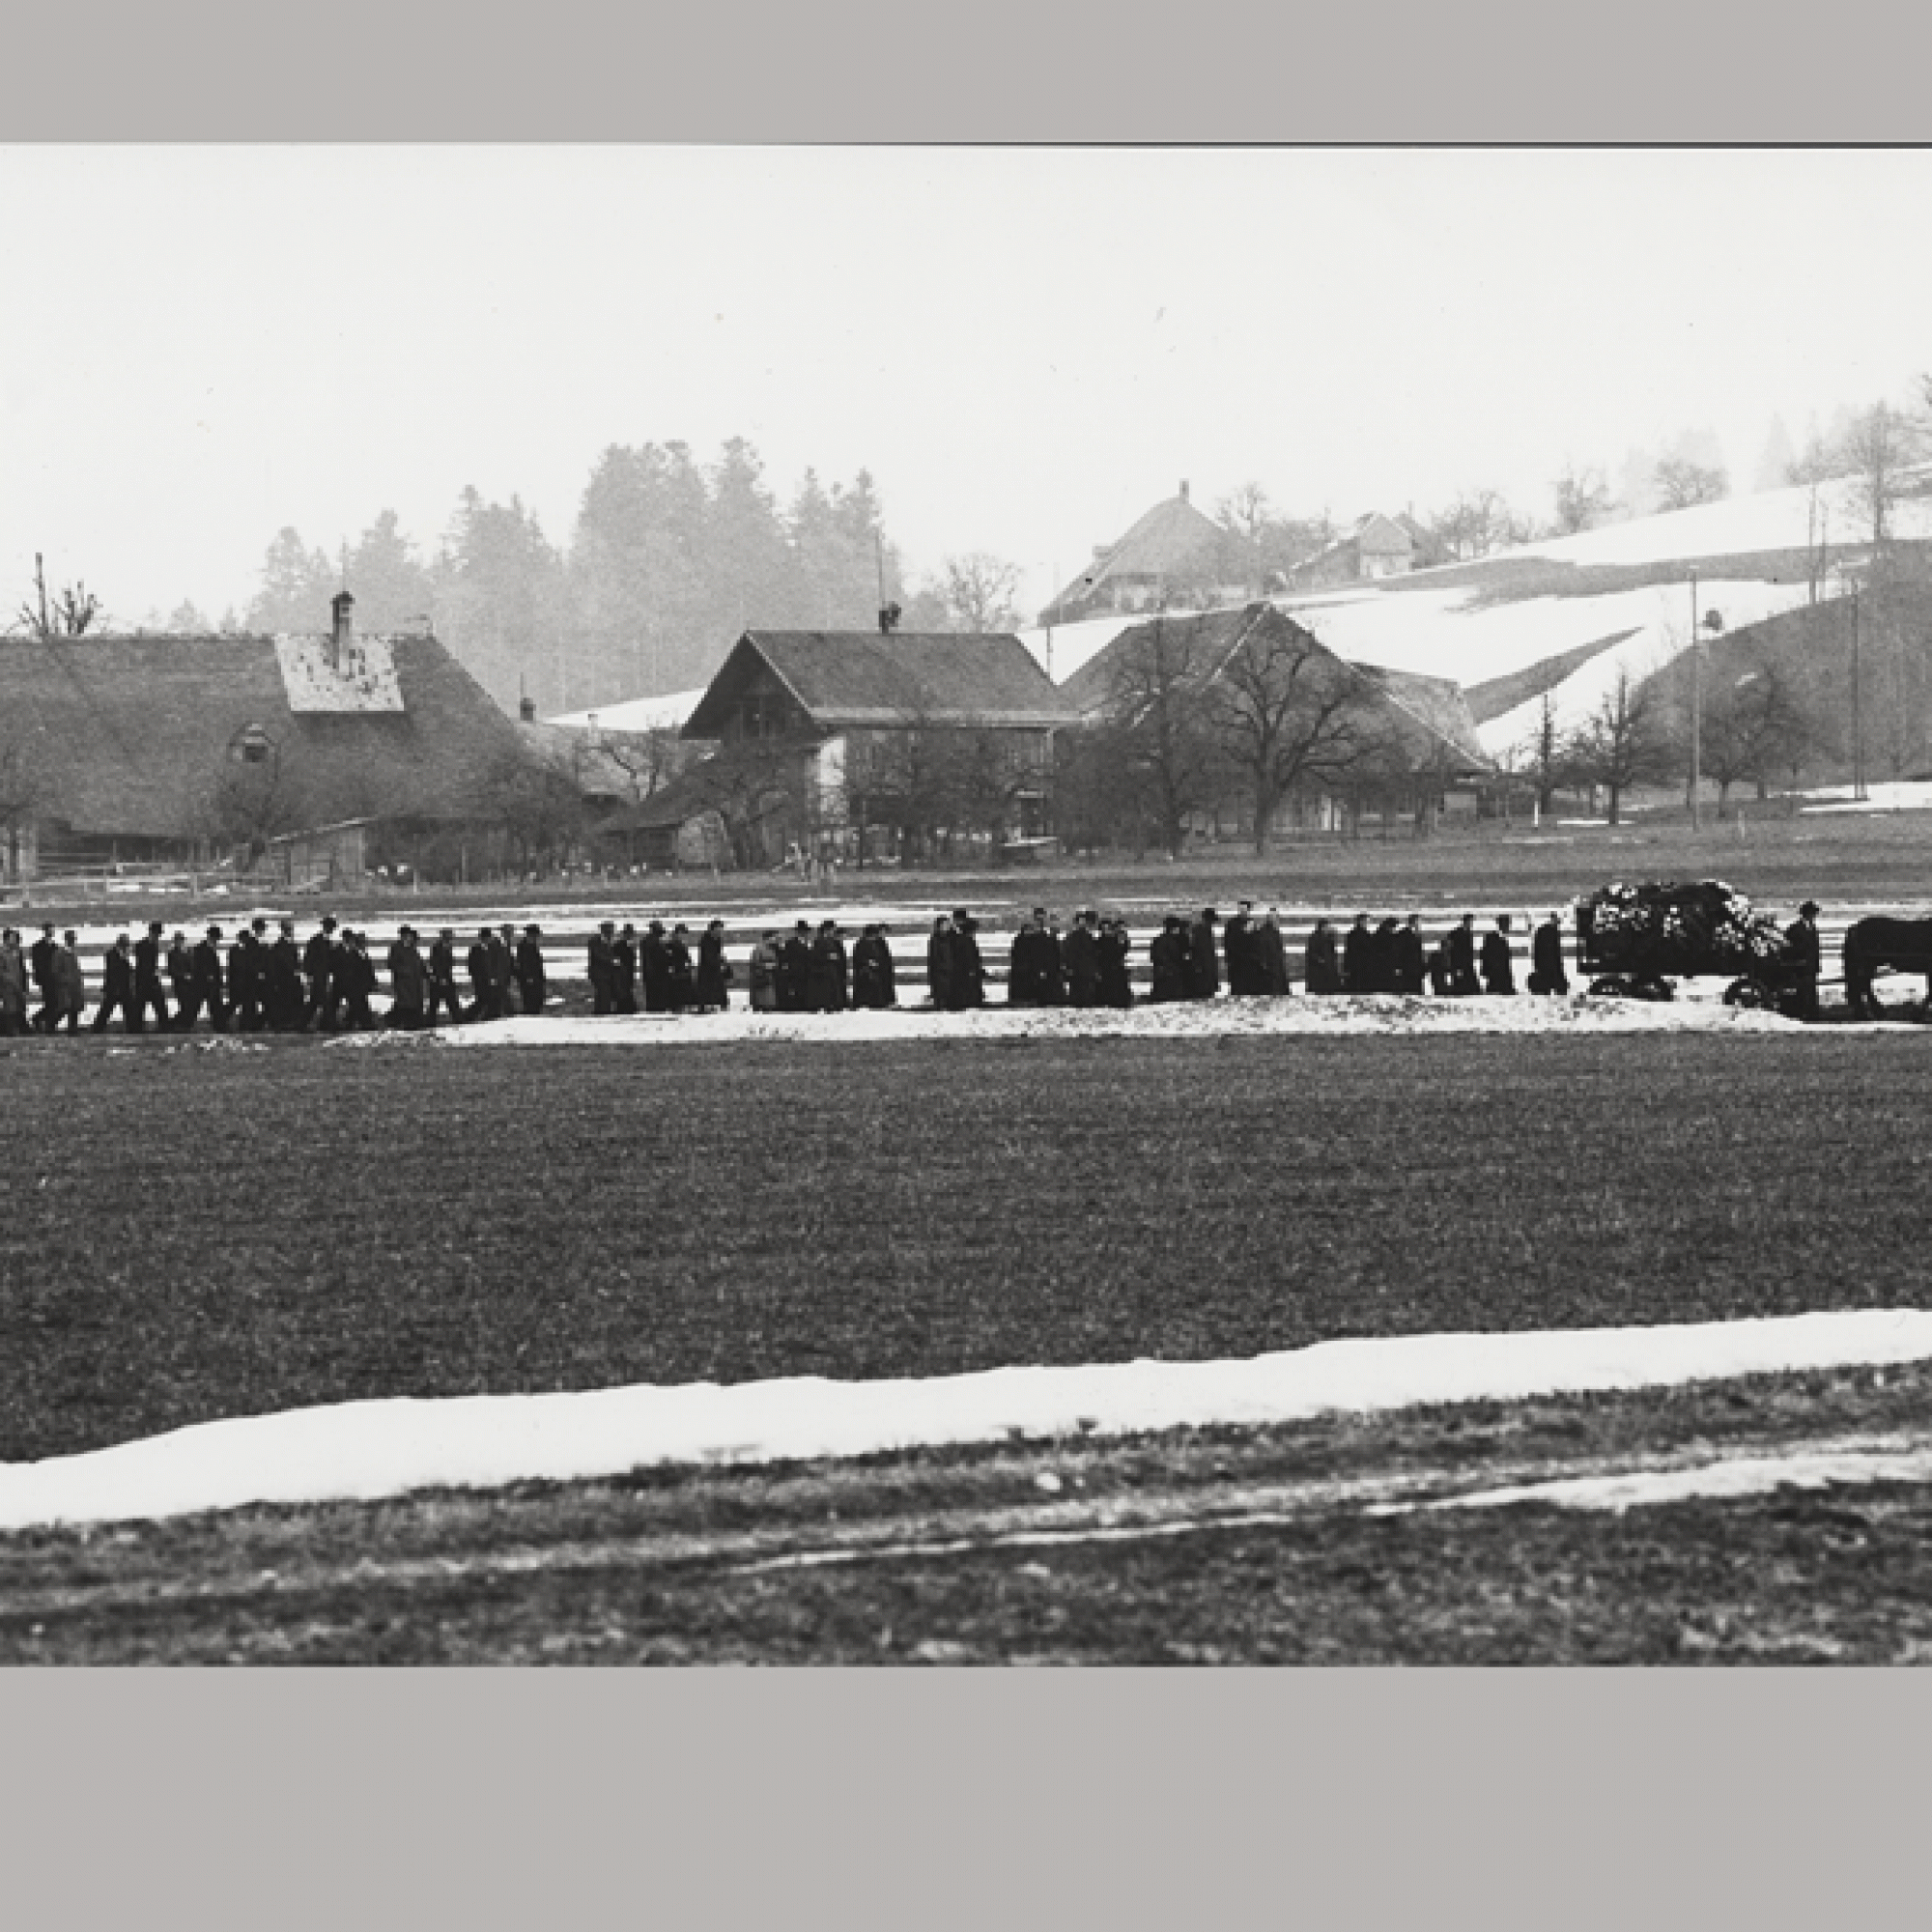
670 560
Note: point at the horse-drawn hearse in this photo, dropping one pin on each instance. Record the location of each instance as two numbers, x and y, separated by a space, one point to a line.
1637 940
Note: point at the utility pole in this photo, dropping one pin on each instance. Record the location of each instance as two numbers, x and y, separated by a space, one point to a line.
1696 709
1858 707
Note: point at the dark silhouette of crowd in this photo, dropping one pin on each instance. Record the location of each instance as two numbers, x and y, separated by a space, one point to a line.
264 980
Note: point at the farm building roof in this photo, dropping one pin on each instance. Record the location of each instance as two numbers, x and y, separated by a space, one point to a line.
1170 540
135 731
843 678
1435 704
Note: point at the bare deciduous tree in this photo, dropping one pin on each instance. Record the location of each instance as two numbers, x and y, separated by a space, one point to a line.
1583 500
66 613
1158 701
1682 485
981 592
1286 709
1626 740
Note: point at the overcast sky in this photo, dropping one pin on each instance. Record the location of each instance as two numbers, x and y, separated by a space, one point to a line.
1026 347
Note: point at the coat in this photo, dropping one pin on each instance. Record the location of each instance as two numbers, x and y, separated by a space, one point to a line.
1410 969
874 983
1246 971
1498 975
938 966
1080 954
12 983
118 975
1358 953
1167 957
714 972
826 989
1461 947
207 977
530 974
1320 971
67 980
1270 956
969 971
1203 970
1545 958
407 976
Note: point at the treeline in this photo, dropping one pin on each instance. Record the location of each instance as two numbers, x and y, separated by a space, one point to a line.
669 560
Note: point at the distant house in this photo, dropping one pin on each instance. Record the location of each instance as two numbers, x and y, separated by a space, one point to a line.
1426 744
1174 556
195 750
1378 546
864 742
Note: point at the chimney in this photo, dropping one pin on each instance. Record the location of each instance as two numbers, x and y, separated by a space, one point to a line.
1183 489
527 710
343 630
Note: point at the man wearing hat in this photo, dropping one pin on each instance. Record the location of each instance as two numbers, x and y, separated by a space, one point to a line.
1802 952
532 982
442 976
407 981
1203 970
604 968
148 978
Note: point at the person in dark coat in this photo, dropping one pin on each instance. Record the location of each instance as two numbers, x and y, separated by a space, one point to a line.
117 989
356 973
1050 971
969 969
482 977
1801 955
1461 945
443 977
680 976
764 987
248 967
503 970
826 988
1114 947
318 976
1080 955
939 963
1441 970
1383 969
180 981
284 1000
1410 960
409 980
67 985
1320 967
654 965
628 959
1167 957
1270 956
874 981
210 988
1545 958
1203 969
41 967
1032 969
147 994
1498 977
1246 977
602 963
714 970
795 970
532 982
1357 960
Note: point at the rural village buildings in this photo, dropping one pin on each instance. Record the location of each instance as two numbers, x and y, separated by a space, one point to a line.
1175 554
284 754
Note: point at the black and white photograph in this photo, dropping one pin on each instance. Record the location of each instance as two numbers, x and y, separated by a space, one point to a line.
965 905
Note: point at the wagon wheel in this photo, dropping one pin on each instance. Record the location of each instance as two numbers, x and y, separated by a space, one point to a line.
1752 993
1613 986
1650 987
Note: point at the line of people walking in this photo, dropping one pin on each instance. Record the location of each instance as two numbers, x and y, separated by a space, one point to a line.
270 982
266 980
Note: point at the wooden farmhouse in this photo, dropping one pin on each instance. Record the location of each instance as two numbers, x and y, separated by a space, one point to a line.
239 749
1409 746
874 744
1175 557
1378 546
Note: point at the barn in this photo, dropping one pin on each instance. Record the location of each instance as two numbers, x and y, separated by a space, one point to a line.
154 749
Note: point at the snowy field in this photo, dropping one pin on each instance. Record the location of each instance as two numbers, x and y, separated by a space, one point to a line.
366 1450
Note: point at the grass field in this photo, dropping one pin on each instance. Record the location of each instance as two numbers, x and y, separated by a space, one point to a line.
196 1236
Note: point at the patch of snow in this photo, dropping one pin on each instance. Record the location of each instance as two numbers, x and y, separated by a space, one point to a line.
1903 795
365 1450
1703 1011
1732 1477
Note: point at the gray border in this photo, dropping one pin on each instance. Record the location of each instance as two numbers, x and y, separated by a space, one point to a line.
1350 1799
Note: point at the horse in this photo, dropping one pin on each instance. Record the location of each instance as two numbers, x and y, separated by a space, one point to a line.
1872 945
